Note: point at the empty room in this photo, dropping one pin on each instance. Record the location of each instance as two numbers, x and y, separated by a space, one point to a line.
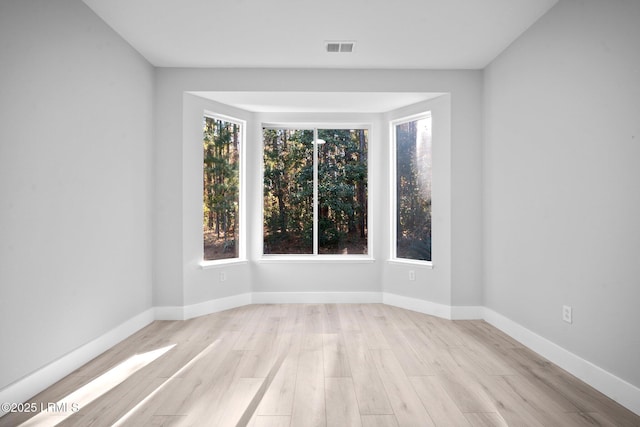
305 213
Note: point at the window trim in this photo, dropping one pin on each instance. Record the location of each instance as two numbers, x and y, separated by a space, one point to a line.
393 194
242 226
316 257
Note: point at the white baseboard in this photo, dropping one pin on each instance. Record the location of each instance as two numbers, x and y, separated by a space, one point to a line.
616 388
316 297
202 308
216 305
461 312
44 377
419 305
467 312
169 313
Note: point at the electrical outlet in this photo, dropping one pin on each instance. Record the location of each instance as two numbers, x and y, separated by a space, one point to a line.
223 276
566 314
412 275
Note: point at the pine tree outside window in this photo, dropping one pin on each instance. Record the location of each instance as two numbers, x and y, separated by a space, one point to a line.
315 191
412 146
222 143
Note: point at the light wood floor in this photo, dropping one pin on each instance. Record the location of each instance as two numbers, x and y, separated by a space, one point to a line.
325 365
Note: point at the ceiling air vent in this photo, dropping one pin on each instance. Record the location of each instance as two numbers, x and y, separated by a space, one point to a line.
339 46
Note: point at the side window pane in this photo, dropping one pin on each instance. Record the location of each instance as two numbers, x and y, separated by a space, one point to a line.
413 189
288 191
221 174
342 191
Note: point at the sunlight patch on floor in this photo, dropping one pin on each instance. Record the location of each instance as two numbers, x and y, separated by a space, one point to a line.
132 411
53 414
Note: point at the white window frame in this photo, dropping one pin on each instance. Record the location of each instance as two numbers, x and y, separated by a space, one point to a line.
393 194
316 257
242 226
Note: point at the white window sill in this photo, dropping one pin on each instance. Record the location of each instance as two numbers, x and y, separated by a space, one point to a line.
205 265
418 263
316 259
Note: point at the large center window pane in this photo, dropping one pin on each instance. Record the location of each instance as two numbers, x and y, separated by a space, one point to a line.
315 191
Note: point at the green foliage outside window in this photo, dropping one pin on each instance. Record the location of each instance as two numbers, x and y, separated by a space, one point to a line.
221 183
289 187
413 190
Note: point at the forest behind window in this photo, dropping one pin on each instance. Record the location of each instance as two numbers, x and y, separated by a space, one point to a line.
413 189
221 184
294 223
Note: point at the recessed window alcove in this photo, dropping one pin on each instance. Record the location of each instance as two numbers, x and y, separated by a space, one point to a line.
319 275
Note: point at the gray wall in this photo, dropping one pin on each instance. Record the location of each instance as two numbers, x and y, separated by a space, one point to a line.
76 106
562 181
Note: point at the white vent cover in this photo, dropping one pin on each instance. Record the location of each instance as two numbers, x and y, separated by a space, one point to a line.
339 46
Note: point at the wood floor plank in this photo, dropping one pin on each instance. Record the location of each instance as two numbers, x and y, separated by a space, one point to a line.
463 389
437 329
536 396
309 399
312 341
370 331
406 404
114 404
293 319
399 317
278 398
331 319
205 398
236 401
438 358
483 352
257 362
527 372
374 310
336 361
251 330
270 421
379 421
236 319
216 372
313 318
166 421
513 410
191 364
590 419
370 392
348 320
438 403
341 403
480 361
410 361
490 334
485 419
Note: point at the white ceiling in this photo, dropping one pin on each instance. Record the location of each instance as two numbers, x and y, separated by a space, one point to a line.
318 102
430 34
